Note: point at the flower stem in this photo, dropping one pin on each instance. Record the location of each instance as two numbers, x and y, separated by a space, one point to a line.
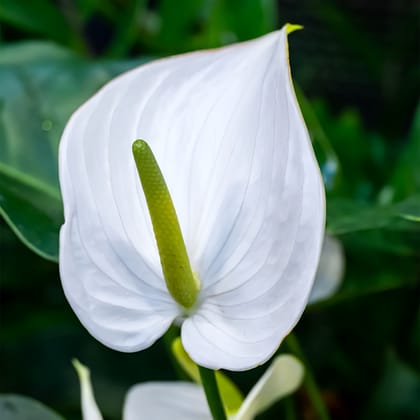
171 334
309 381
208 379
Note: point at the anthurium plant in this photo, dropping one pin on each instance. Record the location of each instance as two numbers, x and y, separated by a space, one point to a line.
193 204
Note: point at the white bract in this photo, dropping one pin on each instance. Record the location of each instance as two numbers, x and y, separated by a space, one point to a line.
330 271
186 400
90 410
229 137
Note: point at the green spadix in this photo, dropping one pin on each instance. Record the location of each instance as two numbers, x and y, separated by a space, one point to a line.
179 278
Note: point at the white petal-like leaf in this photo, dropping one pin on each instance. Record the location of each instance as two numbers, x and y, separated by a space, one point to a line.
282 378
166 400
90 410
330 270
228 135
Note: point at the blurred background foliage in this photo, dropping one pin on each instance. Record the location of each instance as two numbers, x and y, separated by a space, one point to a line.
356 66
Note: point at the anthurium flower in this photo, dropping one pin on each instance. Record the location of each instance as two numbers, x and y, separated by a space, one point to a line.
226 130
186 401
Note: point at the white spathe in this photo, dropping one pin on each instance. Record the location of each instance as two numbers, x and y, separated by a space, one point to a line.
282 378
229 137
187 401
330 273
90 410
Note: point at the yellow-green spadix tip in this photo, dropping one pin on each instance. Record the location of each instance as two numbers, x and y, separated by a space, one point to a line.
291 27
176 267
139 145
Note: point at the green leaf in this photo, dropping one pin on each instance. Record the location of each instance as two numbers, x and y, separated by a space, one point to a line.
346 216
40 17
406 177
17 407
32 52
127 31
32 211
40 86
393 228
250 18
173 30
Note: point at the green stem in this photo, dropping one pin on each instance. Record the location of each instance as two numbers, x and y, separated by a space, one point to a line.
309 381
289 408
208 379
168 338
